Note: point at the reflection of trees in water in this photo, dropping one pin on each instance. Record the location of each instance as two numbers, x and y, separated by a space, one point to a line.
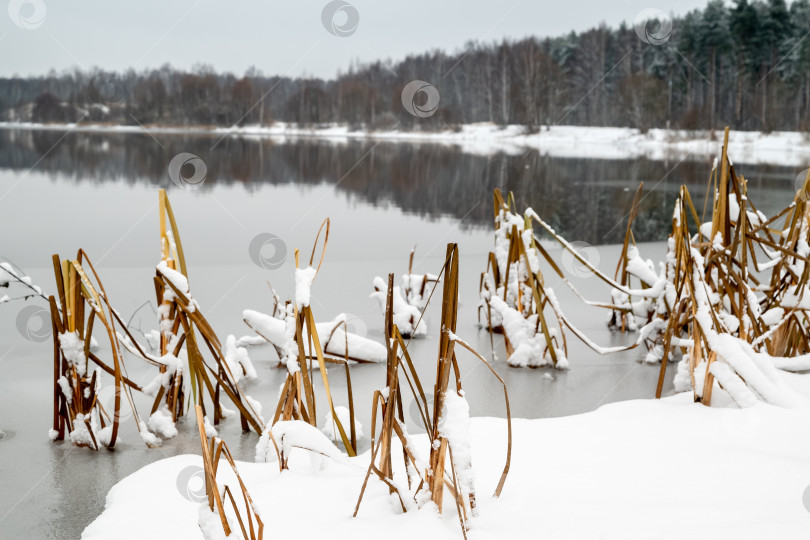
584 199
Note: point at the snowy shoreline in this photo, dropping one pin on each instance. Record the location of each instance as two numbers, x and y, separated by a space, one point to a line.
665 468
787 148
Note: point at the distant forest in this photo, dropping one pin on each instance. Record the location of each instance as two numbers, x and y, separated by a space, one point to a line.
746 64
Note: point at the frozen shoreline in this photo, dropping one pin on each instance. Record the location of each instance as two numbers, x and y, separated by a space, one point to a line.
787 148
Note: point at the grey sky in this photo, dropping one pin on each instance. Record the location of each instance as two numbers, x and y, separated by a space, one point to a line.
285 38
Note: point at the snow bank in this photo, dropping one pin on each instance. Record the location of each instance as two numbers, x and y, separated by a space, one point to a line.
787 148
753 466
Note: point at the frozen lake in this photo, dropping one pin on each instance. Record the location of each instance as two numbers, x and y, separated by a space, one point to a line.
60 192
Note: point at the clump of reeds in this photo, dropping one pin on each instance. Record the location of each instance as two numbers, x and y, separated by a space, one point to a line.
444 424
739 311
513 298
184 334
301 348
729 297
185 376
77 408
338 344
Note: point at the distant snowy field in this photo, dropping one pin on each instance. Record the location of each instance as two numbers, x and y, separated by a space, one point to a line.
784 148
636 469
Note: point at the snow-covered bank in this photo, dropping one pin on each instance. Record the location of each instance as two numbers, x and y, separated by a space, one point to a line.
784 148
636 469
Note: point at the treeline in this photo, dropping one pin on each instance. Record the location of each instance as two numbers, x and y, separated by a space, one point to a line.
746 64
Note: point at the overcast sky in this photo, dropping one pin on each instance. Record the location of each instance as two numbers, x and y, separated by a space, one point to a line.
284 38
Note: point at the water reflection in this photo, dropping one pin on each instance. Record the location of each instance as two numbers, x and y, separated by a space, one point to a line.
586 199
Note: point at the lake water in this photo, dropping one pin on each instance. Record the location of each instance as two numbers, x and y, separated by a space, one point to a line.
63 191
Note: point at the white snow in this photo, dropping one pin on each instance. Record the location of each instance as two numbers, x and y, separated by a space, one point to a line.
756 369
80 435
210 430
177 279
793 300
73 349
773 316
303 285
644 270
406 314
148 437
238 360
104 436
250 341
329 428
293 434
211 525
412 284
269 328
455 426
746 481
180 282
67 390
255 405
360 347
788 148
160 423
529 346
276 332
